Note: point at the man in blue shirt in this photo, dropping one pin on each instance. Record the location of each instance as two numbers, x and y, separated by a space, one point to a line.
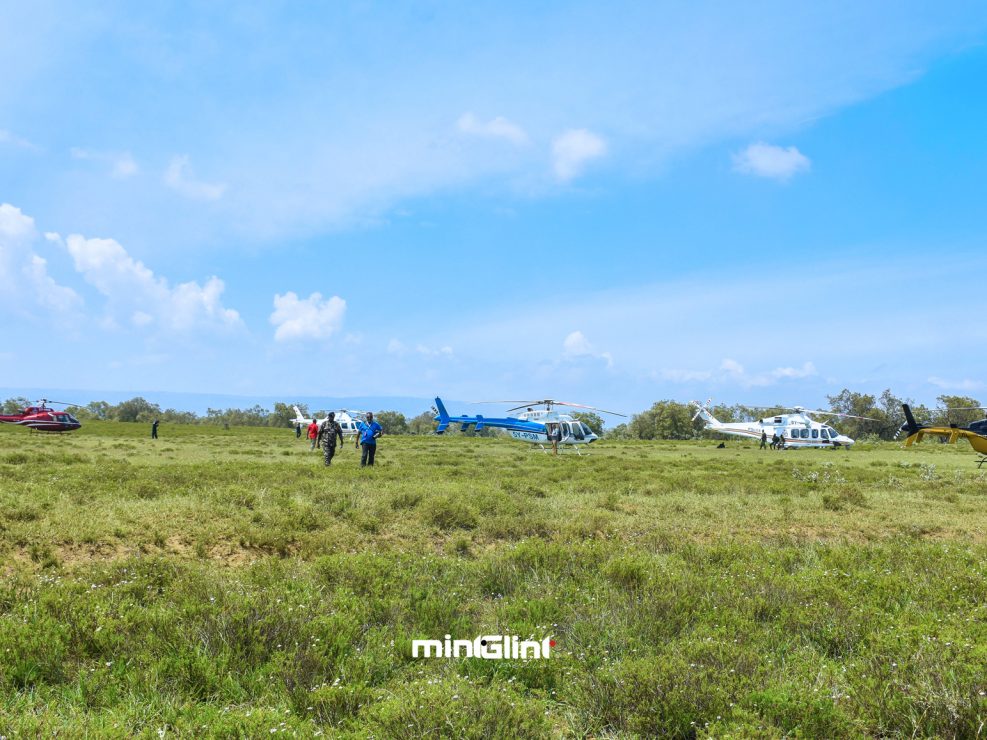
369 432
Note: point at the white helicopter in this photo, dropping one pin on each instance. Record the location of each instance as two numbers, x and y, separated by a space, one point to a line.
795 430
347 419
535 426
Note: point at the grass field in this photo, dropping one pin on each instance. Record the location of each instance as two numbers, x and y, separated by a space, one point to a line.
222 582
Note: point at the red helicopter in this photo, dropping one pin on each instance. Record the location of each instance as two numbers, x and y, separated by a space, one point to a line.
44 419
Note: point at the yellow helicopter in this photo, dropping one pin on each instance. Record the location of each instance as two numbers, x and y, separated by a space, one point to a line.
975 433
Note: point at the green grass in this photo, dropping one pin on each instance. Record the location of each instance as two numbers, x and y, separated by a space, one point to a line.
223 582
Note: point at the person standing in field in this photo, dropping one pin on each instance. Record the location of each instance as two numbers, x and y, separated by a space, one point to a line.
154 429
313 433
370 432
554 436
764 439
298 431
329 432
774 441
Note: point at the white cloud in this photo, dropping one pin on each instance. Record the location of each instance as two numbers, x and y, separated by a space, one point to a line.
179 177
731 371
15 226
24 273
122 164
8 137
57 298
573 150
495 128
133 289
576 345
397 347
732 367
956 385
311 318
444 351
768 160
684 376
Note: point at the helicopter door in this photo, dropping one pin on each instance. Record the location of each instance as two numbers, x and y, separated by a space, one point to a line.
577 430
566 430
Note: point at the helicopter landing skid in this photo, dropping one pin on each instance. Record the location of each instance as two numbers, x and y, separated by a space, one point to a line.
983 459
543 448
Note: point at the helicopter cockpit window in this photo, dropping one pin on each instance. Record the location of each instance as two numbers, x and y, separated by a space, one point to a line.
833 434
577 430
586 430
824 432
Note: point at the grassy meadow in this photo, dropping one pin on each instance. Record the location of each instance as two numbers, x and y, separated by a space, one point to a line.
224 583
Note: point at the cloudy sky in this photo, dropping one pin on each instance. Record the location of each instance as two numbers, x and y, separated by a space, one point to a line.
612 204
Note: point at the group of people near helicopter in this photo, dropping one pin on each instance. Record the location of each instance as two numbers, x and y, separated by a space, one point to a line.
326 435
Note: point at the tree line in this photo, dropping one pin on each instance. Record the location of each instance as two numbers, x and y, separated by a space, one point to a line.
667 419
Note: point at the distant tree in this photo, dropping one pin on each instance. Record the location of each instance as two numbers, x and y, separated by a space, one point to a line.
15 405
99 410
392 422
282 416
173 416
136 409
621 431
857 404
255 416
665 420
593 421
890 414
424 423
969 412
724 413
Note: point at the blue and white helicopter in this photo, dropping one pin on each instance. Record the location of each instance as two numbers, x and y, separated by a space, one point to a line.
537 426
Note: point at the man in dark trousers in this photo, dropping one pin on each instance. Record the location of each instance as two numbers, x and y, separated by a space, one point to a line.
329 432
370 431
154 429
764 439
298 431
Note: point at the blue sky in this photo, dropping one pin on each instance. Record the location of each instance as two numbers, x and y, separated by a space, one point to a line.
755 201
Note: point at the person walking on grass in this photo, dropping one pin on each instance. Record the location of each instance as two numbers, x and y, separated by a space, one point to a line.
370 432
329 432
774 441
154 429
764 439
313 432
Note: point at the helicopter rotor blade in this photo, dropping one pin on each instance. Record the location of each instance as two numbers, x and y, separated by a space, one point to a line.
837 413
591 408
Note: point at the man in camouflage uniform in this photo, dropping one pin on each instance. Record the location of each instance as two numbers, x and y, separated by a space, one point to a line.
329 432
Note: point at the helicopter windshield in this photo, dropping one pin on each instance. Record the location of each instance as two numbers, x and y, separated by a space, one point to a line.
586 430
